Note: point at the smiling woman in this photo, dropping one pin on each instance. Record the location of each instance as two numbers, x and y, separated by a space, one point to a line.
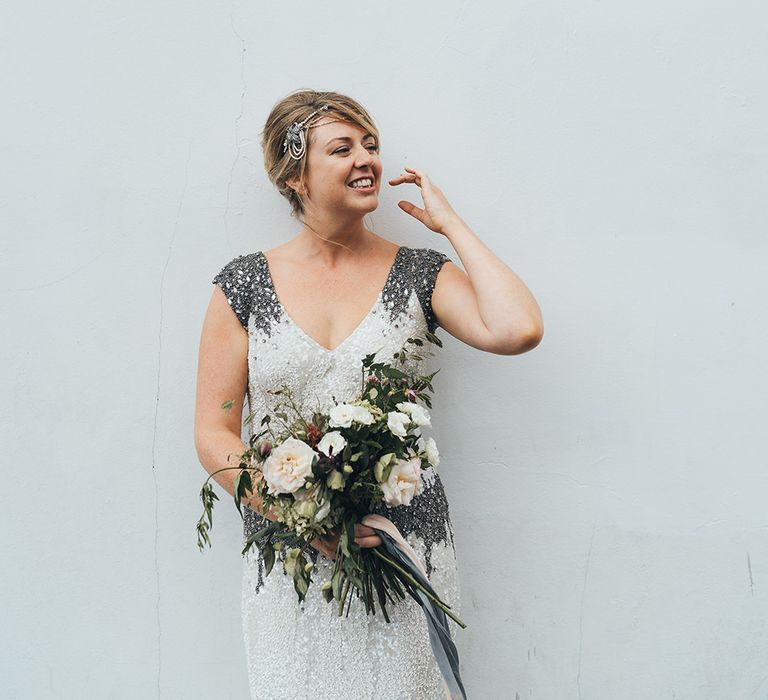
305 314
355 127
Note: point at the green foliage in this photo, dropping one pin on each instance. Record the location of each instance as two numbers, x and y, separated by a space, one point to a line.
350 481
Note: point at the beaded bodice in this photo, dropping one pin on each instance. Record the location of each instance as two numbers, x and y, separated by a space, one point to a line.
280 352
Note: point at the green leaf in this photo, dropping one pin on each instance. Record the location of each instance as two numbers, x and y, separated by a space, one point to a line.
301 587
269 559
238 493
336 583
394 373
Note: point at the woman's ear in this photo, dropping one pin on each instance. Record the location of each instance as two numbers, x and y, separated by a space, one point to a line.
295 185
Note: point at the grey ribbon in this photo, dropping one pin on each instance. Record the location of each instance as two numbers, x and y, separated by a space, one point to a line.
443 648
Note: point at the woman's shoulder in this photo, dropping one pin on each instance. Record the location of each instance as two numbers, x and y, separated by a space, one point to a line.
420 268
426 261
240 279
238 268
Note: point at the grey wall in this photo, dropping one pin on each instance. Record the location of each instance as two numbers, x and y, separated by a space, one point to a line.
608 488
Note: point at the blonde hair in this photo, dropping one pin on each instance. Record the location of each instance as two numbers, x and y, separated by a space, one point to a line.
296 107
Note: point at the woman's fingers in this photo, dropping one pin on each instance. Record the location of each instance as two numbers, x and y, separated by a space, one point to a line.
366 536
411 175
373 541
411 209
400 179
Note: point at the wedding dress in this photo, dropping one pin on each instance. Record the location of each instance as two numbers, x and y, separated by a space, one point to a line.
306 651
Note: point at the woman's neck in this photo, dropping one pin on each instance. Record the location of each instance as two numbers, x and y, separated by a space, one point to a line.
333 238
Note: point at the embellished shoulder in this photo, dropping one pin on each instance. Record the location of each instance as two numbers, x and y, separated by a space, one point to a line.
422 266
240 279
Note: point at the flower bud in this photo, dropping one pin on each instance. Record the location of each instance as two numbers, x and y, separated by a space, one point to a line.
335 480
265 447
348 469
306 509
308 567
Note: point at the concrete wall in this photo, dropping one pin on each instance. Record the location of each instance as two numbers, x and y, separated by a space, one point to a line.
608 488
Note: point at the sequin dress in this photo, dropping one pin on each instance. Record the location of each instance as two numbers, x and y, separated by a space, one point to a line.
305 651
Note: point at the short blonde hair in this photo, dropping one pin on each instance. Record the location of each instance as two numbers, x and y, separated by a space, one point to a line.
296 107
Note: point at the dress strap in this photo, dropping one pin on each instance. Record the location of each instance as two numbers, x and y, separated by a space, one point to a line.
426 265
238 280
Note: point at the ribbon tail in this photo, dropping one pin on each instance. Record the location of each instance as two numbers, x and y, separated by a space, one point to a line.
443 647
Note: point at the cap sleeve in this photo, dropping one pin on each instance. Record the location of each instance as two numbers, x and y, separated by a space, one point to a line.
429 262
238 279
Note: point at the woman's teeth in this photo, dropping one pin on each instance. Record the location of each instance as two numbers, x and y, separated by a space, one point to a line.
365 182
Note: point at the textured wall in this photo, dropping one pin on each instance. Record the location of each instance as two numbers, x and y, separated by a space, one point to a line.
608 489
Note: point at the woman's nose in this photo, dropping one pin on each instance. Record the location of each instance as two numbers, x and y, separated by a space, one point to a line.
364 157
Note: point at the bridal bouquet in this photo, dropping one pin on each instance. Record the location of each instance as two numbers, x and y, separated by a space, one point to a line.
326 473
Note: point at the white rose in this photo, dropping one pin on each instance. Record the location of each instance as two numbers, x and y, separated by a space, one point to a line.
404 482
331 443
342 415
418 414
430 447
288 466
398 423
363 415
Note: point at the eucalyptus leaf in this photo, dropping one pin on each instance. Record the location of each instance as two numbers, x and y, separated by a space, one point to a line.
269 559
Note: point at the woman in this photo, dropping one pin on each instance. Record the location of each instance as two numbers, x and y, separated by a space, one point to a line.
305 313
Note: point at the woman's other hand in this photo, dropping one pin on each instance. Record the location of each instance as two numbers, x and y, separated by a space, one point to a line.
329 544
437 214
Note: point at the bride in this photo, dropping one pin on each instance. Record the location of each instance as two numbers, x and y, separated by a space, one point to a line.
304 313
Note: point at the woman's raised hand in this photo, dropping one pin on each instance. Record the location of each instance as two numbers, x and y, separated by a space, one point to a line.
437 214
364 537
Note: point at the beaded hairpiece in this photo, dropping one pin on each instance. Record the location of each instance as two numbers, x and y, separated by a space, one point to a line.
295 140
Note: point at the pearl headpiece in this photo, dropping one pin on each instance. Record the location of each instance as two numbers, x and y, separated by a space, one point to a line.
295 141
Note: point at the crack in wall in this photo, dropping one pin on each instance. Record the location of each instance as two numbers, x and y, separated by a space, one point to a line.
581 610
237 119
157 408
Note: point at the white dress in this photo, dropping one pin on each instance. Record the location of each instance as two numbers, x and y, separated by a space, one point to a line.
306 651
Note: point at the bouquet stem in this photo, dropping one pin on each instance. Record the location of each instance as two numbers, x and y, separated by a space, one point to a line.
413 582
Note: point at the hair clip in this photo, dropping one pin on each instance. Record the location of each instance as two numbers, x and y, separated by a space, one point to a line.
295 139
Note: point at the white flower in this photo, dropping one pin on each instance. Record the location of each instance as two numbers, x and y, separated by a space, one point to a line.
342 415
363 415
398 423
430 447
331 443
288 466
404 482
418 414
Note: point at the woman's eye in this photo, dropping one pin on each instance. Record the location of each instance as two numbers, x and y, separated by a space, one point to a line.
343 149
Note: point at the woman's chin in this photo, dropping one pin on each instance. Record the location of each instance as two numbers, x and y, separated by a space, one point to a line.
367 204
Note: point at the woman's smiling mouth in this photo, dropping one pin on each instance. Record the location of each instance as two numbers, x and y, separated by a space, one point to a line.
363 184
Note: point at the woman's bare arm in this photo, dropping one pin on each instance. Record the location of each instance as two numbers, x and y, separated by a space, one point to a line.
222 376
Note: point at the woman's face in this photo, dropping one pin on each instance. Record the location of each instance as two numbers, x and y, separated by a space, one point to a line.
341 153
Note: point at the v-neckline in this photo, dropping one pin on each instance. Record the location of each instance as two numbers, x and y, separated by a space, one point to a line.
306 335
